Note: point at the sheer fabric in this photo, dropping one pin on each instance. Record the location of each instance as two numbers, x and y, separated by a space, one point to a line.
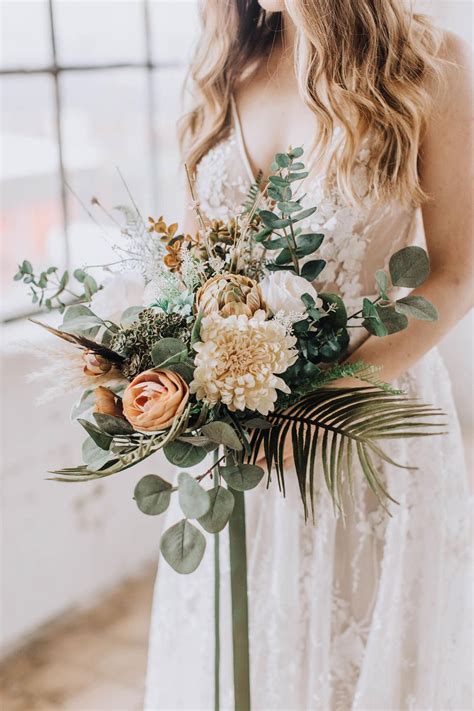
368 614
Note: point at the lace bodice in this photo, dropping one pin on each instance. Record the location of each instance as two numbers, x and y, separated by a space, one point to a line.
358 239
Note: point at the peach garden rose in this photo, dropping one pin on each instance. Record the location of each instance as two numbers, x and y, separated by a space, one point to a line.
154 398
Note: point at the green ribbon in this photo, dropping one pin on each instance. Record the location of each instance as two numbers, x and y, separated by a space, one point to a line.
240 615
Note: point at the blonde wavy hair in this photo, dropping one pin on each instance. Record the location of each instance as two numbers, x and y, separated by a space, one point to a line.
367 65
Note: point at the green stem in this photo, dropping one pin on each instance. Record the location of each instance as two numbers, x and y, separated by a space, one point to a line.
375 301
240 619
217 606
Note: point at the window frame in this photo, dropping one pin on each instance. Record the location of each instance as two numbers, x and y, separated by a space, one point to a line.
55 70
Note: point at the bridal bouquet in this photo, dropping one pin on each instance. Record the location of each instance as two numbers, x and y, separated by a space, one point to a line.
219 343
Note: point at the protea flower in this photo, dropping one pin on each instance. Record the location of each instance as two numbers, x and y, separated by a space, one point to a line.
229 295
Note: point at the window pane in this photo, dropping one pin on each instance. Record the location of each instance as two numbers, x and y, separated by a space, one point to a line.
175 27
105 118
31 215
171 178
21 48
99 31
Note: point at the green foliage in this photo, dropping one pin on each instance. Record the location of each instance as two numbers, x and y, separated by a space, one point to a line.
183 547
183 454
49 290
282 219
194 501
152 494
222 433
418 307
113 425
168 351
340 425
242 477
220 510
409 267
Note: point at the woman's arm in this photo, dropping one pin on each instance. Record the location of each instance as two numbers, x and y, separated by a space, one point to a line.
446 176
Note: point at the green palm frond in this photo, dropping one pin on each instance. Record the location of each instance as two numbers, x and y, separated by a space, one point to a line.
253 194
343 424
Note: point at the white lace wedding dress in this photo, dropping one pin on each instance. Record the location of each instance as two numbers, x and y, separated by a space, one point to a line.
373 615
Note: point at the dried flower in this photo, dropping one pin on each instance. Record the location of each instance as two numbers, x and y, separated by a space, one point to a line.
238 359
94 364
107 402
154 399
230 294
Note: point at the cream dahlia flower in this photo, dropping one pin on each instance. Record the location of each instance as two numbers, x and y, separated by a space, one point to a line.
238 359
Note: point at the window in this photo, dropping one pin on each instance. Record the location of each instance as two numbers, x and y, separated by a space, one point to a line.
94 86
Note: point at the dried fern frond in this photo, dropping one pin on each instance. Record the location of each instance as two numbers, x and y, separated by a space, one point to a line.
341 424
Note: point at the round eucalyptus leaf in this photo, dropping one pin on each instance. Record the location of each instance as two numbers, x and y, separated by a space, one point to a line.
220 510
183 547
417 307
152 494
167 351
391 319
409 266
222 433
193 499
242 477
183 454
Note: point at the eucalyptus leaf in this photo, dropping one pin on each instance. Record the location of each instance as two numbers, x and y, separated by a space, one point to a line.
152 494
102 439
311 270
183 546
185 370
308 243
418 307
130 315
95 457
113 425
86 402
282 160
304 214
183 454
242 477
381 277
409 267
220 510
193 499
167 351
339 315
222 433
391 319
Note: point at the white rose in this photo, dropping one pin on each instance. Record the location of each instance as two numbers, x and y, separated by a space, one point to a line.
282 291
120 291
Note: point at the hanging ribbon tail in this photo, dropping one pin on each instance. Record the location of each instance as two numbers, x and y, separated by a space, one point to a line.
240 616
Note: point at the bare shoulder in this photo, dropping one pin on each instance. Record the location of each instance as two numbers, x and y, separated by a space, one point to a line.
451 86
